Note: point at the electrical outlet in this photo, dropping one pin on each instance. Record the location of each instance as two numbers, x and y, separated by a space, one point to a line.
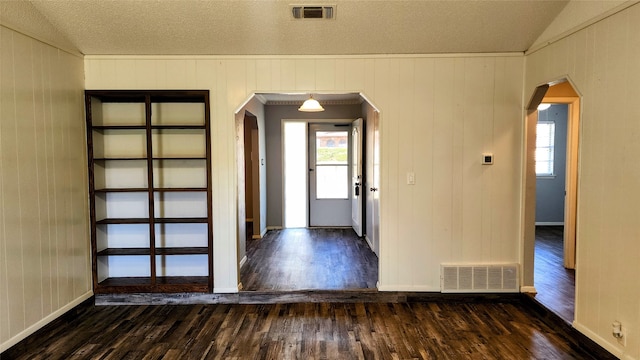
623 340
619 332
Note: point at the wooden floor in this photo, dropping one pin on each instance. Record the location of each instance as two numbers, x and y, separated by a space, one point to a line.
431 330
309 259
554 283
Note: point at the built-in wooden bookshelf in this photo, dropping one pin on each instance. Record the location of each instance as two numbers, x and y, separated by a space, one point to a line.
150 190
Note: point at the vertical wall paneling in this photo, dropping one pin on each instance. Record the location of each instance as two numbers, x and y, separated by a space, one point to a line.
423 137
325 74
442 185
354 74
288 74
603 60
44 247
457 144
14 322
472 135
438 114
305 75
405 194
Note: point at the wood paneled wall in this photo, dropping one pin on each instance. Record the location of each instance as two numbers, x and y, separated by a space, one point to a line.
438 115
44 234
603 62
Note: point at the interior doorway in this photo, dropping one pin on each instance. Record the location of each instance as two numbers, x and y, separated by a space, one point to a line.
252 176
551 195
359 262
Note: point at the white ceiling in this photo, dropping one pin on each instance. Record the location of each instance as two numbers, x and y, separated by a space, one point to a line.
242 27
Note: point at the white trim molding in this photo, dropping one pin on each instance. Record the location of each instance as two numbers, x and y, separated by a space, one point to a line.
528 289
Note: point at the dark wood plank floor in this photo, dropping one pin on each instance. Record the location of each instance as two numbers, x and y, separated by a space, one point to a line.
554 283
432 330
309 259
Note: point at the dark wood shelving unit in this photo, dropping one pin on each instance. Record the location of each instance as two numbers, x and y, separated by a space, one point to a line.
150 235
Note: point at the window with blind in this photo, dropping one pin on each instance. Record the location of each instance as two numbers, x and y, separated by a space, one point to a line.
545 135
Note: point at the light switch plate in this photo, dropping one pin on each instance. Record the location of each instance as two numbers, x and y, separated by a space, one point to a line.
411 178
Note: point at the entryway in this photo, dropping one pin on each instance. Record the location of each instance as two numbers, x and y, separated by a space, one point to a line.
551 196
321 208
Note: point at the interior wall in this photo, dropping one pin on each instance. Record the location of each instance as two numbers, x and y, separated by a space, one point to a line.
44 219
550 190
603 62
274 115
438 115
256 108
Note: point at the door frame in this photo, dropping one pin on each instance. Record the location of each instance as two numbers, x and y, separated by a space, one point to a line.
529 177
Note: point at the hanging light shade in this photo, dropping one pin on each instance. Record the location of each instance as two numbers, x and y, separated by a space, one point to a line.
311 105
543 106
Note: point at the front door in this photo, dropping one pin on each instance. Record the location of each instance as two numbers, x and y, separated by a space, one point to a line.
329 175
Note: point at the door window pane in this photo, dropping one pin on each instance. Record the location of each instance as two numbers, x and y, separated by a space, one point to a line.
332 159
332 182
332 147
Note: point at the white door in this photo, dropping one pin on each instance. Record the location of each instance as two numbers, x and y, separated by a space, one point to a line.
329 175
372 183
356 176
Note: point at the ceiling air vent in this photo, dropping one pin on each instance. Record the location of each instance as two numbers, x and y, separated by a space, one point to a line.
313 12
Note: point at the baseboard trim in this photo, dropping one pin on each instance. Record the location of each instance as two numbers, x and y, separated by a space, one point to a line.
598 340
407 288
579 337
528 290
263 232
549 223
225 290
366 237
274 228
49 319
243 261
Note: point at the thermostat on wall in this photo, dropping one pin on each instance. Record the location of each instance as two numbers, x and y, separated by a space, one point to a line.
487 159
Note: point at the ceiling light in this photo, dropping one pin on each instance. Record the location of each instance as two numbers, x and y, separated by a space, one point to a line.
543 107
311 105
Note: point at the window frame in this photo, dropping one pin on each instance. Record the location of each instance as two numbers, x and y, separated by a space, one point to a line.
550 145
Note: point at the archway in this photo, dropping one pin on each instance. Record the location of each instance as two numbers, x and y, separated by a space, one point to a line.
558 92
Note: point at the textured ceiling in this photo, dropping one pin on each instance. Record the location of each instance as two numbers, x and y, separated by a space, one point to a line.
207 27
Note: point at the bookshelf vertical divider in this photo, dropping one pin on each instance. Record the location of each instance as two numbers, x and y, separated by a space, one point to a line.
154 143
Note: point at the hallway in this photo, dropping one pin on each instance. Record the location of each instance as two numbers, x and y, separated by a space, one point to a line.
309 259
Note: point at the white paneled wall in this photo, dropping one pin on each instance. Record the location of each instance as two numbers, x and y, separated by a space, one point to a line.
44 236
438 115
603 61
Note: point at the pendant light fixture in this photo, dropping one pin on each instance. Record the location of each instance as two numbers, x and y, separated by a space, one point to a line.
311 105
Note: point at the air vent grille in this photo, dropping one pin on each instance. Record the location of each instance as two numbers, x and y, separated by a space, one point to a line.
479 278
313 12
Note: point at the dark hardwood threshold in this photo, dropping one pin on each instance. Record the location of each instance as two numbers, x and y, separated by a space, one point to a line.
299 296
576 339
50 330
